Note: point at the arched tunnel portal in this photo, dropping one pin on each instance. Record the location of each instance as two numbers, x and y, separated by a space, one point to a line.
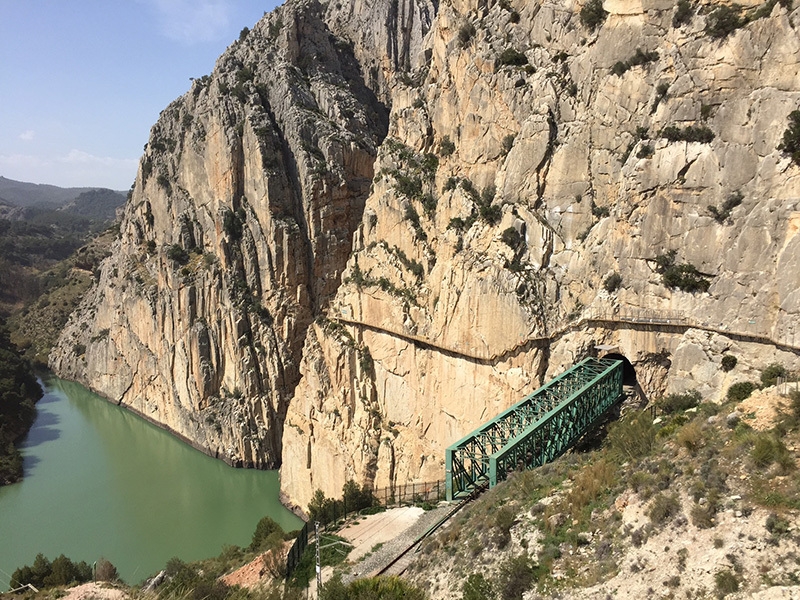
628 371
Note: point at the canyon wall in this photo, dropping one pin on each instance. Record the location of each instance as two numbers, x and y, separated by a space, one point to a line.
374 227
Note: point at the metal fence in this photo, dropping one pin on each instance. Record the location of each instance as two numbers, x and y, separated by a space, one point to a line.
787 385
297 549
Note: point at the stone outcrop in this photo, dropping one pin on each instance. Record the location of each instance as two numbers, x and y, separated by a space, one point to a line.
400 217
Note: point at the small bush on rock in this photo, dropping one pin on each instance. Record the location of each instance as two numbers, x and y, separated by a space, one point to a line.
728 362
791 137
769 376
740 391
593 14
724 20
683 13
612 282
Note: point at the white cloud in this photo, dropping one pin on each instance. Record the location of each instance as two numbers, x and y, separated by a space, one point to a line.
192 21
27 136
75 169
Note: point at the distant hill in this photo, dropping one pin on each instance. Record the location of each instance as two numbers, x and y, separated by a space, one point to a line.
20 193
41 225
97 205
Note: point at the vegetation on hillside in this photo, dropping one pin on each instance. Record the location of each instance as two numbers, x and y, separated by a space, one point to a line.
44 300
19 390
561 527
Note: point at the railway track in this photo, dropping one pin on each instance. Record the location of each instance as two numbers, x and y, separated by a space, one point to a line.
403 559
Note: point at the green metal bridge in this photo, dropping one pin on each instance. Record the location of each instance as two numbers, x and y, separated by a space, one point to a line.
536 430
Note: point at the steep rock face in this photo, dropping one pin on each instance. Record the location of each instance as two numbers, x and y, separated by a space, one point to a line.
290 287
523 166
235 234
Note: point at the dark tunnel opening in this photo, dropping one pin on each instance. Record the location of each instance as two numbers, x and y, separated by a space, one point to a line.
628 371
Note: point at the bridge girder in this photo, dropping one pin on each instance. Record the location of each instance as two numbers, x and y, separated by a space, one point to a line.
536 430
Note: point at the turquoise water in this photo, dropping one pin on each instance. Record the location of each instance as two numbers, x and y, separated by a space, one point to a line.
100 481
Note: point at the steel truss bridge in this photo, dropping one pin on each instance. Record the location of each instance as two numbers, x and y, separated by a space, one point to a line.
536 430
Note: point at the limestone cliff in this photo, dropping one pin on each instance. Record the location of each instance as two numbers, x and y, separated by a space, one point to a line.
236 230
376 225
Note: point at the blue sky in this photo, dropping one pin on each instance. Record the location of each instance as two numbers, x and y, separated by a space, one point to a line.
82 82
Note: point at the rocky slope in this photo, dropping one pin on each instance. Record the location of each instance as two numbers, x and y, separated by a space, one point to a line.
371 228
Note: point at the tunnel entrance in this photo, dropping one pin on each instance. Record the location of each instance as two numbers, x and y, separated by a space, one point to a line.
628 372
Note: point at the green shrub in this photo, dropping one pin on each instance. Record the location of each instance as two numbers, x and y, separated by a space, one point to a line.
504 519
663 507
177 253
640 57
446 147
491 213
632 437
684 277
512 238
690 133
769 376
612 282
679 402
233 224
510 57
43 574
516 577
408 186
721 214
791 137
740 391
371 588
593 14
477 587
768 449
683 13
726 582
600 211
724 20
465 34
646 151
267 535
777 525
728 362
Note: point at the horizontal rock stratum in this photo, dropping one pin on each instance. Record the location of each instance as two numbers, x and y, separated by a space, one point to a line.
376 225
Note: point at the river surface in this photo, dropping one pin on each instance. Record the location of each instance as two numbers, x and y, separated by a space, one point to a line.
101 481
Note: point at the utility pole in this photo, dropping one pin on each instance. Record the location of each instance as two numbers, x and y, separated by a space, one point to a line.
319 568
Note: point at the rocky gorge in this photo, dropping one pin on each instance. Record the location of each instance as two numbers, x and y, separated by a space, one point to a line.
375 225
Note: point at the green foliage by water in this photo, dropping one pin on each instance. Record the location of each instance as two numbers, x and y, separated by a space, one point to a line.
44 574
354 498
18 392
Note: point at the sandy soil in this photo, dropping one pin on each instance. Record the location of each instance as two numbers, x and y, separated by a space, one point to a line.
99 591
378 529
254 573
760 410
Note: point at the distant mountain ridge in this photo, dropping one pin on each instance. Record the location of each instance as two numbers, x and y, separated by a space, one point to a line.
25 194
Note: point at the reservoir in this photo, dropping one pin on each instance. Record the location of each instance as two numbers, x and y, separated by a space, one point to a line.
101 481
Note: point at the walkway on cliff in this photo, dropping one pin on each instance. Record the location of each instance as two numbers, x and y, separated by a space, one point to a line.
658 320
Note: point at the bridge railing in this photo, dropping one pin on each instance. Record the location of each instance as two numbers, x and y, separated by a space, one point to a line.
468 462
